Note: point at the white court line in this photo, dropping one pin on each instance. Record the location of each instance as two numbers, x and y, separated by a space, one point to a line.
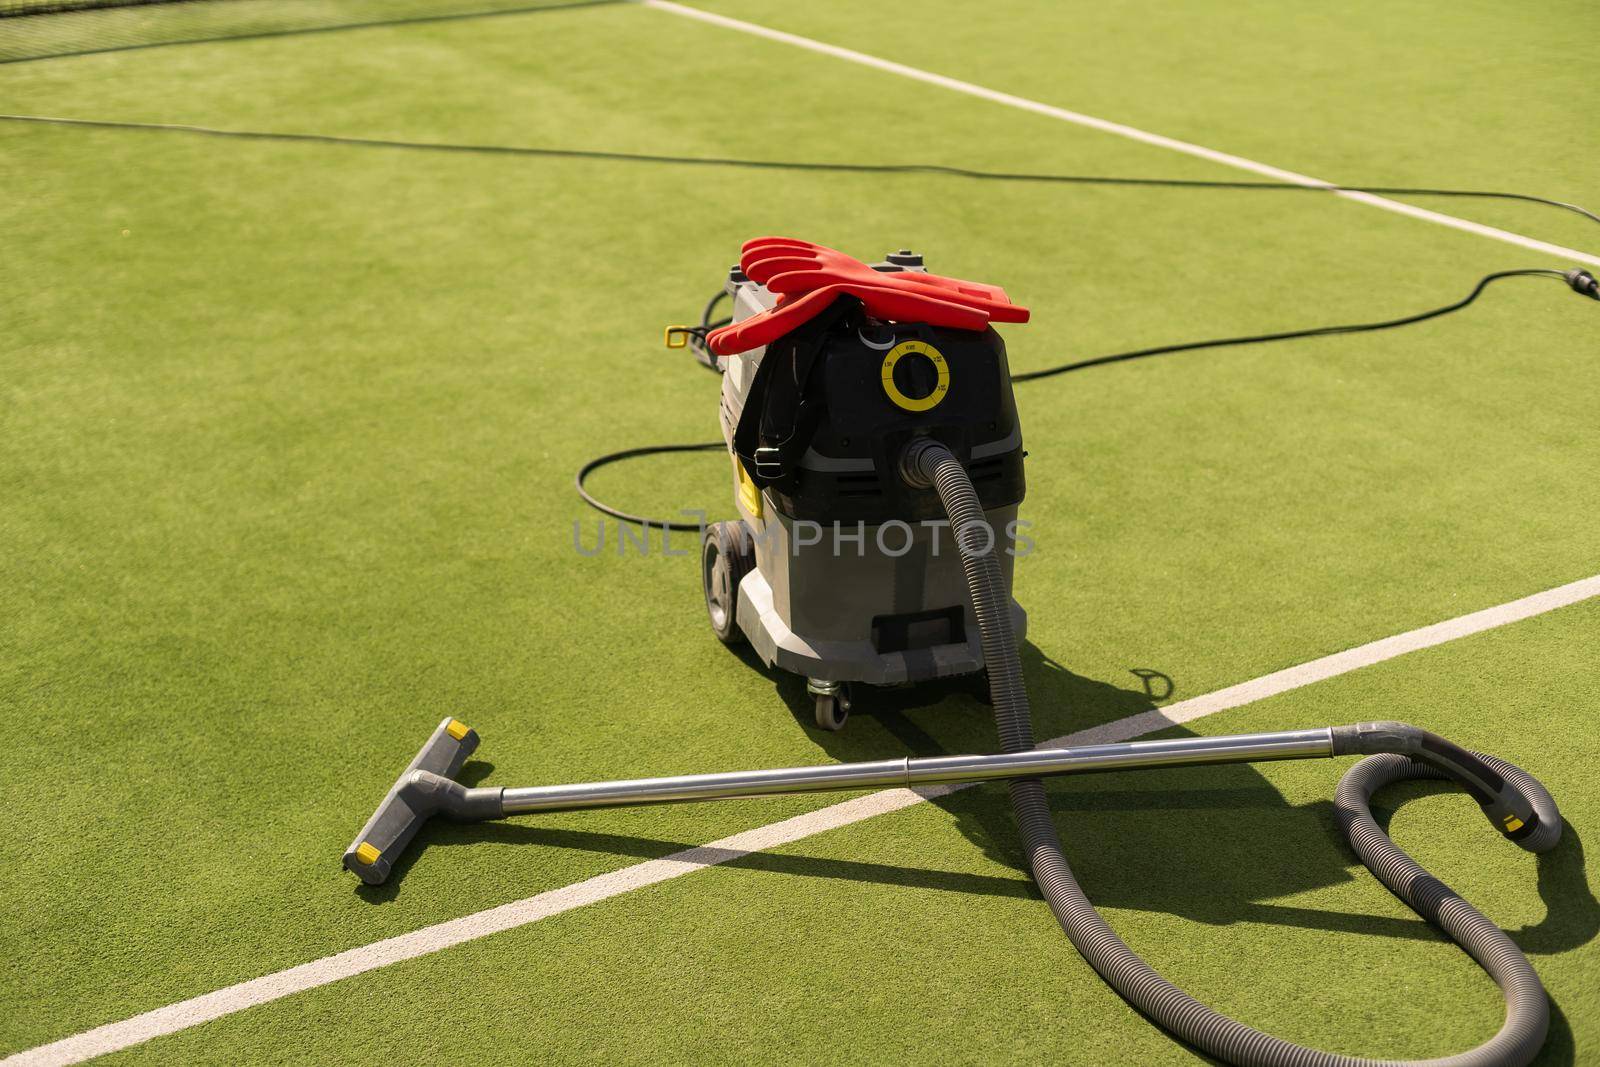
1117 128
184 1014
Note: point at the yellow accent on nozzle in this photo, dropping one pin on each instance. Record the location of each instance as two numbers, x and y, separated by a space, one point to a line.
457 729
677 336
1512 823
366 854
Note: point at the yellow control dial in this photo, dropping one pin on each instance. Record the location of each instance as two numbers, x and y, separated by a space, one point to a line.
915 359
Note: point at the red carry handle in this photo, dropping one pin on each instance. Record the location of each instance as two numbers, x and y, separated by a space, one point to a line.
807 277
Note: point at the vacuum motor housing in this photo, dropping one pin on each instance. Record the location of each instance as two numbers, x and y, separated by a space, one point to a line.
856 574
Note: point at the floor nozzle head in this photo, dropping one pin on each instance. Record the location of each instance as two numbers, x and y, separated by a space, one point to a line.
423 788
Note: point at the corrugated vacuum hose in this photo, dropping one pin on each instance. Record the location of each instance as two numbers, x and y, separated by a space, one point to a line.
1520 807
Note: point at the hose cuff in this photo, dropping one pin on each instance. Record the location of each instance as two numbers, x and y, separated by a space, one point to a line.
917 467
1512 800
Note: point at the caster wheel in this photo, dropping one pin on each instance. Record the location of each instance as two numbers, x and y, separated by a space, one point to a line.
832 708
727 554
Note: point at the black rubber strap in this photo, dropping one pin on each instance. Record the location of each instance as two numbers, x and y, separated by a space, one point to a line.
776 424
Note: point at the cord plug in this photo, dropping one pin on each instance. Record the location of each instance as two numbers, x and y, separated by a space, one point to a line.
1583 283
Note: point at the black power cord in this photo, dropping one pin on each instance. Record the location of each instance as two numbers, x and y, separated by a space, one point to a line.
702 354
634 453
1316 331
813 166
1579 281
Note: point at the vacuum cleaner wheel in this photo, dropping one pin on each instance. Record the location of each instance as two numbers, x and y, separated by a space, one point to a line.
727 554
833 709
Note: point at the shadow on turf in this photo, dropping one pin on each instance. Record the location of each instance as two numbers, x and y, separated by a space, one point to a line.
1214 844
1560 1050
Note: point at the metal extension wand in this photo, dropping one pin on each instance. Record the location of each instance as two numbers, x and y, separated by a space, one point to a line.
427 786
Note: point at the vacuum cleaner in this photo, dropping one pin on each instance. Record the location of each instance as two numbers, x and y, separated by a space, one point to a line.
877 469
840 567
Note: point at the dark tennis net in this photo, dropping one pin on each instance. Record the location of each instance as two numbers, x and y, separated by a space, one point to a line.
56 7
45 29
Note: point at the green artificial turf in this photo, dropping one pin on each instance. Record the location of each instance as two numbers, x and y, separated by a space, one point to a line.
913 936
1472 95
288 438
